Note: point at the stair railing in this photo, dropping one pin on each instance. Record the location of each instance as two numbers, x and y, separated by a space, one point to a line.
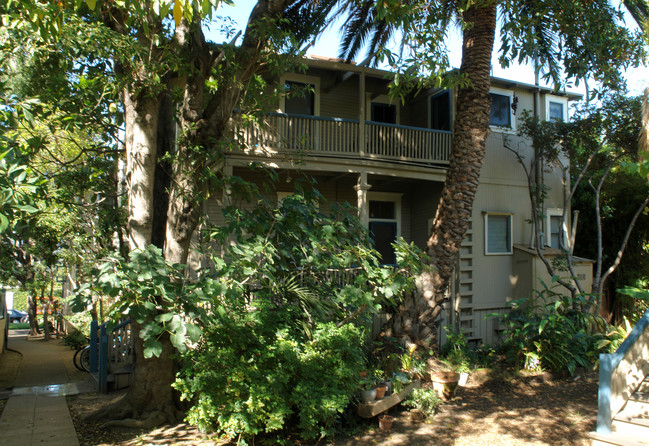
621 373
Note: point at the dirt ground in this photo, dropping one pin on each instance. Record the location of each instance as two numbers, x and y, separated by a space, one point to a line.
531 410
490 410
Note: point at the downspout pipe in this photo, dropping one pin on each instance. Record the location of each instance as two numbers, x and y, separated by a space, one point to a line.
538 172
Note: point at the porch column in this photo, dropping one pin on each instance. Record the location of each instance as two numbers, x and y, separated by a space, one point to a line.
227 190
361 193
361 117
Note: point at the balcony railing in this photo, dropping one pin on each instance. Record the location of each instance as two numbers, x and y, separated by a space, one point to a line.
336 137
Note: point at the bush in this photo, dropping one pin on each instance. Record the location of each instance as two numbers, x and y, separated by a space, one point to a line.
75 339
548 331
256 375
269 336
425 400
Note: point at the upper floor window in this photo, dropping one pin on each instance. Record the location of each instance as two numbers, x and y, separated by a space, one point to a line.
501 109
384 113
498 233
440 111
300 98
556 108
556 228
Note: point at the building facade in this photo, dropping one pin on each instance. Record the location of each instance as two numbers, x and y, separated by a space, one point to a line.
389 157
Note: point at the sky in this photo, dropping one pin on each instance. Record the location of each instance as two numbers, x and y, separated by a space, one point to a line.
327 45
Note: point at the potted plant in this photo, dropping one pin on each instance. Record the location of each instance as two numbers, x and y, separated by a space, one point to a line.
385 422
371 387
445 383
424 403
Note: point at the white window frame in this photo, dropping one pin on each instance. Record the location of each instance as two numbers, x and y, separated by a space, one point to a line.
487 214
556 212
512 116
557 99
304 79
386 196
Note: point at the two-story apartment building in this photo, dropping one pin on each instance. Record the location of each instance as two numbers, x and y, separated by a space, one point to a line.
390 158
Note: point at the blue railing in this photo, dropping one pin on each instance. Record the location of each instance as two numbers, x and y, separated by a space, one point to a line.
114 349
616 384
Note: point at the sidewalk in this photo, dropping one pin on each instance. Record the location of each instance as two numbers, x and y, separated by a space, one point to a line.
37 412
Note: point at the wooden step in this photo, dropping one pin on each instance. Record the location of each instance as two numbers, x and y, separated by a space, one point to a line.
637 426
634 412
641 396
618 439
634 408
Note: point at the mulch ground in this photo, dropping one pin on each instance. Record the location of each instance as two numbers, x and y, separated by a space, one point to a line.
494 409
491 410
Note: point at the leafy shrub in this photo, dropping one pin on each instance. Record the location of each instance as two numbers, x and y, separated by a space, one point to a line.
425 400
548 331
81 321
75 339
456 351
254 375
265 336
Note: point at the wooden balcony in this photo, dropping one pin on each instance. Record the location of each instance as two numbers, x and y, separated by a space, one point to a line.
314 136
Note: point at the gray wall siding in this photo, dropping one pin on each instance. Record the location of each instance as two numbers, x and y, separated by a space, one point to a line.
342 101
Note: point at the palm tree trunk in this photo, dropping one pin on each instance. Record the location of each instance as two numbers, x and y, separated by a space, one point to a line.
416 318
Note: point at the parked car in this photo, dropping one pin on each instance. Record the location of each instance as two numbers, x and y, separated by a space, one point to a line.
17 316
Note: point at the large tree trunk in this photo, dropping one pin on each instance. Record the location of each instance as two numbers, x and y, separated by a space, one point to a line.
150 400
33 316
204 120
416 317
151 396
141 125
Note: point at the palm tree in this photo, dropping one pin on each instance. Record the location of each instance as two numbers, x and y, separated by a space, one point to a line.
561 37
639 9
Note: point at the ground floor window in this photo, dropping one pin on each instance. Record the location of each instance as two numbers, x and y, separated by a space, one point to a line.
498 233
384 223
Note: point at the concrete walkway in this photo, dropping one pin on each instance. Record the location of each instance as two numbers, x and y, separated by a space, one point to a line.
37 412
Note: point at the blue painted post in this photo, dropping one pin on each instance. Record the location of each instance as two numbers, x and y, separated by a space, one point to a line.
103 360
93 346
604 415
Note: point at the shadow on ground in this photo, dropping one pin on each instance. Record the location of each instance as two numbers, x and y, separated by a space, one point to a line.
523 411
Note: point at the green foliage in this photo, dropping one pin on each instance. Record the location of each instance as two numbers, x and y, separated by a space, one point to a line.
298 256
549 331
18 184
153 293
81 321
253 374
639 297
456 351
426 400
75 339
265 335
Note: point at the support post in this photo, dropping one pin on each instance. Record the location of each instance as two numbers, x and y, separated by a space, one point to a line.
361 193
361 117
227 190
103 360
604 415
94 342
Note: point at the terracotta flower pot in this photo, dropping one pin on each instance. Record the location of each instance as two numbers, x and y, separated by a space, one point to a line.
385 422
416 415
445 384
380 391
